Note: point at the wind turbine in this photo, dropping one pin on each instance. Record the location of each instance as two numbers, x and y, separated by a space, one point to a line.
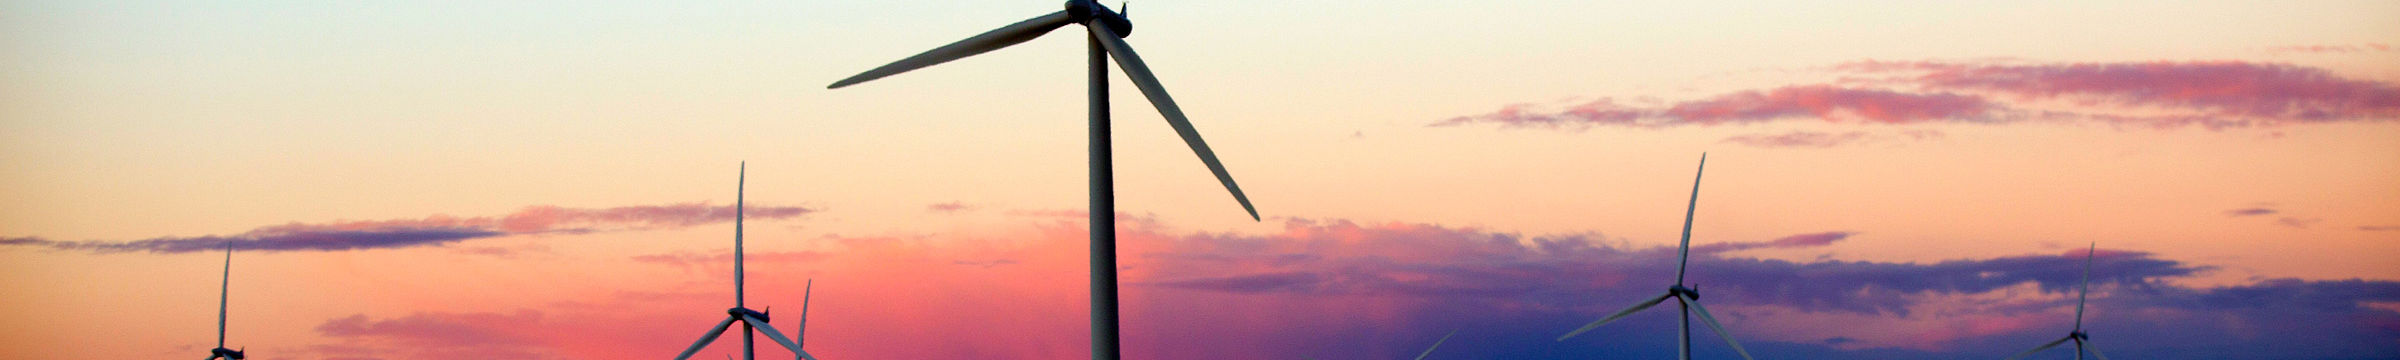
1686 298
1105 34
2082 341
223 288
752 321
1437 344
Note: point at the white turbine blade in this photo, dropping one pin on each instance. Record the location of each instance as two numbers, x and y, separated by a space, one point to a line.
1713 325
2087 285
2039 348
2087 344
1005 36
710 337
772 334
1139 73
1613 317
1436 345
224 289
1683 253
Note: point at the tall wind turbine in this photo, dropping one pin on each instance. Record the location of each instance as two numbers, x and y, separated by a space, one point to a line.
223 288
1105 34
1686 298
2082 341
752 321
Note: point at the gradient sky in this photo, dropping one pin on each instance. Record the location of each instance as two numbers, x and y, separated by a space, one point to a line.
552 179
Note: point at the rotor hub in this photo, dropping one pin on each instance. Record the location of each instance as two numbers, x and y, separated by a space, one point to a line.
1679 290
227 353
1087 11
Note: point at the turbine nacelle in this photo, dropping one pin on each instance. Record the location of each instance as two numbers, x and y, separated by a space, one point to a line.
746 311
226 353
1686 292
2079 335
1086 11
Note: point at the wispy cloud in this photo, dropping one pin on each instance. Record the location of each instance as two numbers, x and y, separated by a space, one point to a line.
2214 94
428 231
2330 49
1799 139
690 260
2250 211
948 207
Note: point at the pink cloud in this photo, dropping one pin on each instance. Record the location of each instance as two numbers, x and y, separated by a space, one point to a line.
2330 49
2215 94
1831 103
2269 92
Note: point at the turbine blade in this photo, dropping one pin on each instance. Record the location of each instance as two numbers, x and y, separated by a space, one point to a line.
224 289
1436 345
1140 74
1005 36
1719 328
1613 317
2039 348
2078 349
740 184
710 337
2087 344
1683 253
2086 293
796 354
800 336
772 334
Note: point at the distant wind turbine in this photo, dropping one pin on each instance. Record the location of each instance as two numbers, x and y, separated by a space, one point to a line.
1429 349
752 321
2082 342
223 289
1105 38
1686 298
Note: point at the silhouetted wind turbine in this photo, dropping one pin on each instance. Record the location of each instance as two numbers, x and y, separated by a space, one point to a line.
752 321
2082 341
1686 298
1105 38
223 289
1437 344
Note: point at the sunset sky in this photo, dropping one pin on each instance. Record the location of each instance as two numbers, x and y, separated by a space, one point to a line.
554 179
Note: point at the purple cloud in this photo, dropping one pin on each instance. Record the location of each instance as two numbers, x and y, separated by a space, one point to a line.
2255 211
434 230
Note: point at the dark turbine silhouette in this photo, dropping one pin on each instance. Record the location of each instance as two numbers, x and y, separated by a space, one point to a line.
1686 298
224 289
2082 342
752 321
1106 30
1437 344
